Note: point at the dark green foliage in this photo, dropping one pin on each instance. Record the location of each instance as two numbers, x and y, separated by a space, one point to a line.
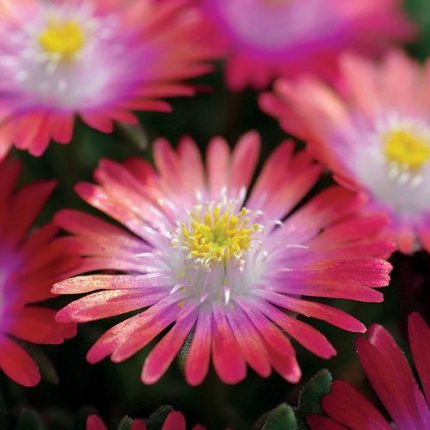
29 420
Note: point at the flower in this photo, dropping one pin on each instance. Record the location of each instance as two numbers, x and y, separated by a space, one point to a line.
393 381
99 59
265 39
373 133
218 268
30 264
174 421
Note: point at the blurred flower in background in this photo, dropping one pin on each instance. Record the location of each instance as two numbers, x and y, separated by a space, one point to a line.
30 264
174 421
391 377
373 131
97 59
218 266
265 39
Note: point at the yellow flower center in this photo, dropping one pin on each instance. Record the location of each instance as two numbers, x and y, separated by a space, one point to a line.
407 149
213 235
62 38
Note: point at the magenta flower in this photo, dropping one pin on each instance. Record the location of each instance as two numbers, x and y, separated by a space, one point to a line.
174 421
31 264
99 59
216 264
265 39
393 381
374 133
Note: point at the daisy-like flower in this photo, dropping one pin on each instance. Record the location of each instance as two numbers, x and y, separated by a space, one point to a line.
208 261
374 133
30 264
264 39
391 377
174 421
99 59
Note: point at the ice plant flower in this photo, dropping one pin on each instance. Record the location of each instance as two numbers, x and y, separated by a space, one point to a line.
174 421
96 59
30 263
392 379
264 39
211 262
373 132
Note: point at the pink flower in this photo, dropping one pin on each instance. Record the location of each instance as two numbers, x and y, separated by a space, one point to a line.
265 39
99 59
31 264
209 262
374 133
174 421
393 381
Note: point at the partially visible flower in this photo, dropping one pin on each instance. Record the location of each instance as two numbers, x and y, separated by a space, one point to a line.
174 421
30 263
374 133
393 381
265 39
204 259
96 59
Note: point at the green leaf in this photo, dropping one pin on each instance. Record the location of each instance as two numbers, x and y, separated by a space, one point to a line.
280 418
313 392
156 420
125 424
29 420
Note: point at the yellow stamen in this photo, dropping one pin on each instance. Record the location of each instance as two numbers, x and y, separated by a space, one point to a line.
62 38
217 236
407 149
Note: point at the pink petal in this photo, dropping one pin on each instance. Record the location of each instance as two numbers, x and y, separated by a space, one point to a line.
174 421
419 339
160 358
17 364
227 356
347 406
198 358
95 423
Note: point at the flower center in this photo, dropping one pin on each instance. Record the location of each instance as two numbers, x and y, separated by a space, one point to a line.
217 234
407 149
63 39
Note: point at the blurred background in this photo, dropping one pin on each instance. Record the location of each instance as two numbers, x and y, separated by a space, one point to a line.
114 390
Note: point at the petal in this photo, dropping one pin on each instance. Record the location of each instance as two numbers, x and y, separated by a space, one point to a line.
17 364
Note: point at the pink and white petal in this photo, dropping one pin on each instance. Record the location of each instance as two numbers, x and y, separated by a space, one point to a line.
243 161
123 333
218 166
252 346
309 309
104 304
198 358
304 334
227 356
163 354
191 166
89 283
